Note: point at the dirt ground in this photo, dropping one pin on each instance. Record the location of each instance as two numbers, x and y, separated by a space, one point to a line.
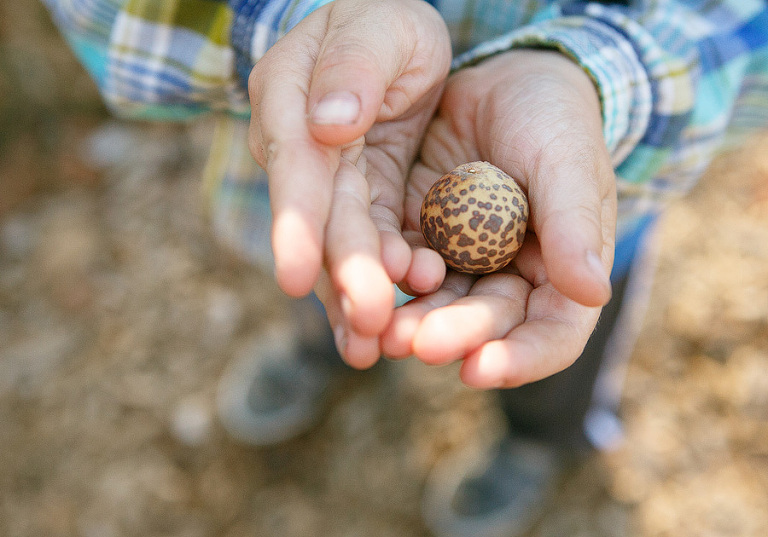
119 312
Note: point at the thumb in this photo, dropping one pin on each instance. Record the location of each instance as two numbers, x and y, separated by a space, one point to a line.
554 124
367 47
575 222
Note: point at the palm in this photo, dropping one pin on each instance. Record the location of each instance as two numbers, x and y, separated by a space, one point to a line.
533 318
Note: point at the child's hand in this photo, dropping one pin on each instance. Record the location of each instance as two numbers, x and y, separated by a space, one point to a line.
339 108
536 115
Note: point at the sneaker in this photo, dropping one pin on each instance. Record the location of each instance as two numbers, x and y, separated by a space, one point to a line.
275 389
502 495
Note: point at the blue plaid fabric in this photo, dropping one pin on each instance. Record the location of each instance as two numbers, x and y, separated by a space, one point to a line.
677 79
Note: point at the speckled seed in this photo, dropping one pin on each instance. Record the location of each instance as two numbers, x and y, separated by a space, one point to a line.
475 217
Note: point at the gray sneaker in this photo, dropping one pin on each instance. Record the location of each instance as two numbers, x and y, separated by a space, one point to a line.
501 495
274 390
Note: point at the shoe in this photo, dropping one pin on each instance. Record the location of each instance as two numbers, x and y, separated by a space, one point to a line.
502 495
274 390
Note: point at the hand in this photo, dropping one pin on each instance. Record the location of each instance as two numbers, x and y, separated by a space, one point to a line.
536 115
339 107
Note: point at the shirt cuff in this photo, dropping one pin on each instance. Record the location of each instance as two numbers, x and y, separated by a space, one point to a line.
607 56
257 25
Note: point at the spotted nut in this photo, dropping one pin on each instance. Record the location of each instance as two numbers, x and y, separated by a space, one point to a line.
475 216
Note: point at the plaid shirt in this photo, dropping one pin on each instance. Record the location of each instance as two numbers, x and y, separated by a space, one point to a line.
675 78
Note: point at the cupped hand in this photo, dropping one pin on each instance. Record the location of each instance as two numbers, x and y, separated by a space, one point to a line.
536 114
339 108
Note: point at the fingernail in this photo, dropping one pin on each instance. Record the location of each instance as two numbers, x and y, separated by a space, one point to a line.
346 305
336 108
340 338
596 264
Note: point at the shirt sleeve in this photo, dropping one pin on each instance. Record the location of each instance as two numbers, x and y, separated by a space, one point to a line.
672 77
174 60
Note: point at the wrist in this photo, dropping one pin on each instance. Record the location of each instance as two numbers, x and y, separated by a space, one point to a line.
604 55
551 62
544 79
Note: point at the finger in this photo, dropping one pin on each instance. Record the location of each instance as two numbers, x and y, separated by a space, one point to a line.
415 267
395 252
367 47
428 268
495 304
360 352
426 272
353 255
300 203
549 134
397 339
300 170
573 214
542 346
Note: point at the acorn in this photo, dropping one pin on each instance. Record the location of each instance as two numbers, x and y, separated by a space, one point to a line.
475 217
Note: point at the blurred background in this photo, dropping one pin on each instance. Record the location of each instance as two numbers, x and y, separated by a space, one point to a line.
119 312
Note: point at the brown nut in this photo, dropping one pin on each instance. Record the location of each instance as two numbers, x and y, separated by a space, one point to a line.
475 216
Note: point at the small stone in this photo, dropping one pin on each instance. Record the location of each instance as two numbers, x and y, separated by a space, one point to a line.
192 421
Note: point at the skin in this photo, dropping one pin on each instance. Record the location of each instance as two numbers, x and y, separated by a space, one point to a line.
536 115
337 184
346 188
